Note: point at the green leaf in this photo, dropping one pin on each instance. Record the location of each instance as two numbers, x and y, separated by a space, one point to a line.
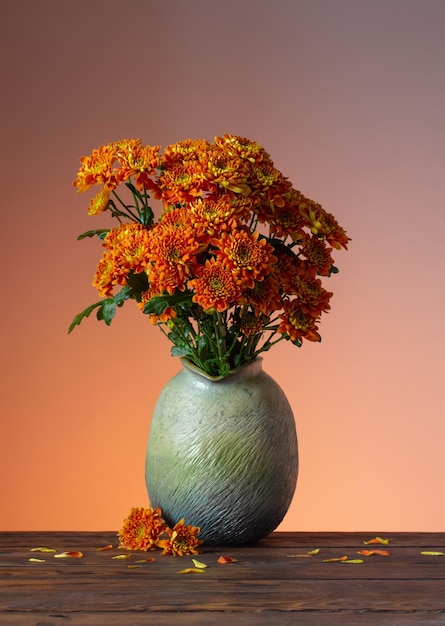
98 232
158 304
107 311
86 313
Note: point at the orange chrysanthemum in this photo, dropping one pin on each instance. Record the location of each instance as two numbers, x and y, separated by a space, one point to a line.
108 274
182 541
297 324
181 182
215 287
186 150
242 147
100 202
213 215
265 296
142 529
318 255
312 297
136 160
244 253
173 253
97 169
228 171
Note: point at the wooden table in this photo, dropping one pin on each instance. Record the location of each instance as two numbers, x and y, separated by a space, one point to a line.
272 582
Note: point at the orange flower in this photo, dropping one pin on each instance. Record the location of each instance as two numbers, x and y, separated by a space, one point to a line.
100 202
136 160
312 297
264 297
228 171
215 287
186 150
173 253
318 255
181 182
214 214
141 529
97 169
241 146
108 273
246 255
182 540
297 324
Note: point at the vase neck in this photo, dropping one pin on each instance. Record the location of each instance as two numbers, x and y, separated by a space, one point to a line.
249 368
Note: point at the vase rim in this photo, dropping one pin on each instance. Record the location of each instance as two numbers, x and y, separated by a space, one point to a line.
194 368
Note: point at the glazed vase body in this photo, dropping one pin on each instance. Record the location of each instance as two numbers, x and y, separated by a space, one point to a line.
223 454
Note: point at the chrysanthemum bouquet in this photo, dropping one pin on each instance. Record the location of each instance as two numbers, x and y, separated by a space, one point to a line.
231 265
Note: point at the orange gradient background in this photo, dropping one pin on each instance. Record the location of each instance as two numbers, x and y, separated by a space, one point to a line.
348 96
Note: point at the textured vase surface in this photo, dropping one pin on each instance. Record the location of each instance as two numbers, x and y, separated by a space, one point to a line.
223 454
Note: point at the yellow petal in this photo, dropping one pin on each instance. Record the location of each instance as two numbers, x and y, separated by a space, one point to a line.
433 553
339 558
191 570
314 552
122 556
43 550
68 555
36 560
133 566
198 564
149 560
353 561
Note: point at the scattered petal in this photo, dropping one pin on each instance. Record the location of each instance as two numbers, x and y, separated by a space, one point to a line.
32 560
191 570
338 558
426 553
43 550
198 564
133 566
314 552
108 547
68 555
376 540
353 561
226 559
122 556
149 560
371 552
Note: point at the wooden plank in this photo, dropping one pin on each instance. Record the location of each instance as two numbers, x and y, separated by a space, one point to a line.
313 618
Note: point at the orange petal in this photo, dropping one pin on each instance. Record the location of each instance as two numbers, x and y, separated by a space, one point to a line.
339 558
191 570
108 547
43 550
371 552
226 559
149 560
376 540
68 555
433 553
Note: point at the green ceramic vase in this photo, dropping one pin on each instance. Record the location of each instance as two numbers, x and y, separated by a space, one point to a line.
223 454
